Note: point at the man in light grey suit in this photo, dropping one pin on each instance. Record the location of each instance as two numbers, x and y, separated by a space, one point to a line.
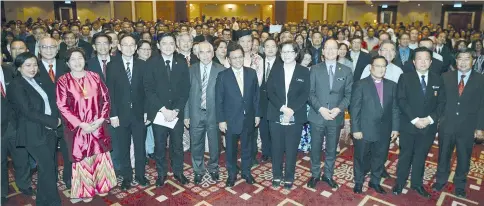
329 96
200 115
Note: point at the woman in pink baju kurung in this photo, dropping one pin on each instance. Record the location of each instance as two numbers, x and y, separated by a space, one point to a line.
83 101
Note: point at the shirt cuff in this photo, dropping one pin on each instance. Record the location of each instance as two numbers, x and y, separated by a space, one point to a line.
282 108
430 119
414 120
113 118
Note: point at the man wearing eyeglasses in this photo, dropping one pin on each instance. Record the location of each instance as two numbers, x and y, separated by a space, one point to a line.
421 98
124 79
50 69
72 40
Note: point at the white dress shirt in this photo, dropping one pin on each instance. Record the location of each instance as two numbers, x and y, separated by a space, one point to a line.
437 56
354 56
271 64
202 70
107 61
46 66
393 72
130 60
426 78
288 73
36 86
170 58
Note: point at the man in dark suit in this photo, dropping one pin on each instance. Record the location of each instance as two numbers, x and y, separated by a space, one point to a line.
16 47
462 120
20 156
32 41
71 40
50 69
360 58
421 98
437 65
444 49
200 115
329 96
124 79
167 89
374 119
99 62
237 106
404 55
270 59
316 48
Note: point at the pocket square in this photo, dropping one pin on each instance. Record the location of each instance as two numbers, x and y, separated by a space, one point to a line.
435 87
341 79
300 80
7 83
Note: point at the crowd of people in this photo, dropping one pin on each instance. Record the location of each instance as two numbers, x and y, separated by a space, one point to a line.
95 89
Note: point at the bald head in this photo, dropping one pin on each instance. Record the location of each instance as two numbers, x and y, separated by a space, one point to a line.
330 50
48 48
205 53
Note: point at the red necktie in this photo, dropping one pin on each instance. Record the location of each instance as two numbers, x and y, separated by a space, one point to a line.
51 73
461 84
104 67
2 90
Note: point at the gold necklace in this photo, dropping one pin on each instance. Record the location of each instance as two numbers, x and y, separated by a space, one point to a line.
83 87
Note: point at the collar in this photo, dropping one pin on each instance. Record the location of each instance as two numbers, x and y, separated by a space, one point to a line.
130 60
426 74
167 58
209 65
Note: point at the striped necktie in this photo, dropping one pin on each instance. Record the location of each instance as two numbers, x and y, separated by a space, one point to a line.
204 88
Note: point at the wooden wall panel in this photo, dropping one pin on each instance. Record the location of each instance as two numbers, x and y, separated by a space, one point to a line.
335 12
315 11
295 11
165 10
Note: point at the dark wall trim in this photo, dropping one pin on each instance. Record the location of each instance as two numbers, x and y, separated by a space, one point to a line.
392 8
469 8
58 4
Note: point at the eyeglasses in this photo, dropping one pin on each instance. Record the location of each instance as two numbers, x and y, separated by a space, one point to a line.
45 47
144 49
378 66
102 43
128 46
286 52
237 58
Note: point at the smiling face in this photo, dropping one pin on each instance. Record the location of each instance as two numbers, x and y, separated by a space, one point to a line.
77 62
29 68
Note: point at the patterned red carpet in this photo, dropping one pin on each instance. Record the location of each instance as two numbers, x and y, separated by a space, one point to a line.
262 193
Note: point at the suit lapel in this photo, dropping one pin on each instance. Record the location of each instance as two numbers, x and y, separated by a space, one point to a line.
430 82
469 83
374 91
246 81
198 76
387 94
234 79
212 77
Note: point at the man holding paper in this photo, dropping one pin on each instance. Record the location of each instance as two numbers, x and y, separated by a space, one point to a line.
167 86
237 109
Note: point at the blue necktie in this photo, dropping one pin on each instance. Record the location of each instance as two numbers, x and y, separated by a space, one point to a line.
423 84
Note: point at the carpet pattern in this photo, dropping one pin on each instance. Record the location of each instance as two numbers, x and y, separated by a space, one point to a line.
262 193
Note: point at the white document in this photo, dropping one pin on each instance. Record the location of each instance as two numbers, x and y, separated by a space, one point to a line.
275 29
160 120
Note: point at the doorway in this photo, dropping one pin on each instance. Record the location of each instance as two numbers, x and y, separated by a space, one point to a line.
65 13
387 15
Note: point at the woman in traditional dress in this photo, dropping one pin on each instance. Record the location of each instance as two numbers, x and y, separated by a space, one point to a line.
83 101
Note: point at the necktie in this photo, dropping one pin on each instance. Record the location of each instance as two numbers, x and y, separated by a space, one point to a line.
204 88
188 59
404 57
51 73
168 68
268 70
104 67
461 84
128 72
239 81
423 84
331 75
2 89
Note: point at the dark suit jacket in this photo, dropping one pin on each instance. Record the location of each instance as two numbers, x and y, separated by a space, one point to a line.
398 59
447 57
236 110
316 53
7 112
463 114
82 44
126 99
368 115
193 58
43 74
94 65
263 99
413 103
363 60
437 67
163 91
297 95
30 107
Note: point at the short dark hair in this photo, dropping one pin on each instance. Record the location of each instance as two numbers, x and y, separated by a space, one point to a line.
422 49
75 49
426 39
125 36
217 43
98 35
21 58
164 35
67 33
405 33
294 45
316 32
141 42
269 39
19 40
464 51
378 57
234 47
356 37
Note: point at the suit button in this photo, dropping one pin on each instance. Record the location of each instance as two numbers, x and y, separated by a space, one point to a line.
169 90
457 113
458 103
